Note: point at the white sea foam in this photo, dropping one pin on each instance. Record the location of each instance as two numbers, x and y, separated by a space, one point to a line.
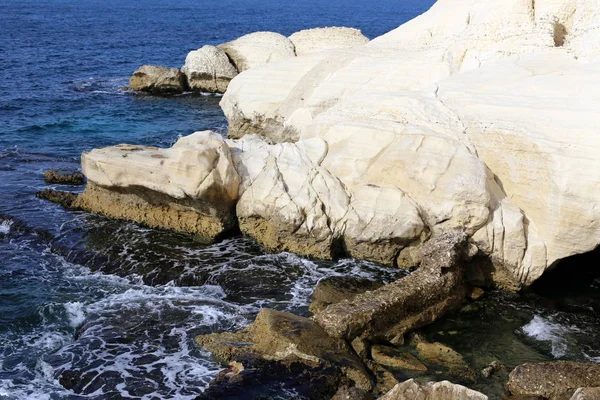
545 330
5 226
75 313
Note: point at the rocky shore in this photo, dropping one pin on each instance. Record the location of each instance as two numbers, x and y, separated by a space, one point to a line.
463 144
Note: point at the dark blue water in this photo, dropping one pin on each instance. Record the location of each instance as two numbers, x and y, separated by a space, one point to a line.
97 309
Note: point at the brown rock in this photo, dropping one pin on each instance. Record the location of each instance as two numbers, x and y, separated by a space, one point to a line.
394 358
65 199
413 390
556 380
387 313
158 80
587 394
439 353
280 336
476 293
334 289
63 177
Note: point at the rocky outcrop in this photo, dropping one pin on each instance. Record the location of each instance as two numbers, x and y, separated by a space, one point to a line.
413 390
208 69
386 314
258 48
318 39
284 337
558 380
64 177
66 199
191 187
480 113
158 80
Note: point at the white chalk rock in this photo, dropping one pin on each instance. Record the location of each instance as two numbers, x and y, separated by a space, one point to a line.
483 113
413 390
258 48
208 69
318 39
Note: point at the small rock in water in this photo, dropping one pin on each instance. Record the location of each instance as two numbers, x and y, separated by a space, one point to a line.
438 353
65 199
494 366
476 293
64 177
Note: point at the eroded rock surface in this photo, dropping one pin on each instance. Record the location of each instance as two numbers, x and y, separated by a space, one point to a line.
158 80
334 289
557 380
480 114
389 312
413 390
208 69
191 187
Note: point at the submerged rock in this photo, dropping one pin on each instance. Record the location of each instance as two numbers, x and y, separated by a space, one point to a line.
413 390
284 337
258 48
208 69
318 39
64 177
334 289
555 380
389 312
158 80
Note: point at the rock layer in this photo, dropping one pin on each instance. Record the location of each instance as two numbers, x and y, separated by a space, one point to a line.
318 39
481 114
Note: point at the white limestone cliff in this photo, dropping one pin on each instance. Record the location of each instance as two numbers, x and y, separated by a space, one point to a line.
484 113
479 115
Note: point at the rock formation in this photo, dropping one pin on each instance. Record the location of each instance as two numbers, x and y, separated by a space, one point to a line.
158 80
318 39
208 69
413 390
258 48
479 115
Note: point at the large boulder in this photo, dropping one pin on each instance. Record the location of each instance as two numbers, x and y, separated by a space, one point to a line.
413 390
191 187
318 39
481 114
158 80
258 48
208 69
557 380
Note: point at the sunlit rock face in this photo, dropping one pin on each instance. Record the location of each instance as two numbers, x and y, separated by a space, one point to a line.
477 114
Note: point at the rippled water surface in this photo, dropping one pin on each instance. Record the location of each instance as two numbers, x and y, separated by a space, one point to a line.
97 309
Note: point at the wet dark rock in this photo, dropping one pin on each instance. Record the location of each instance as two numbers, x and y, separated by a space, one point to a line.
389 312
352 393
65 199
334 289
555 380
413 390
284 337
64 177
